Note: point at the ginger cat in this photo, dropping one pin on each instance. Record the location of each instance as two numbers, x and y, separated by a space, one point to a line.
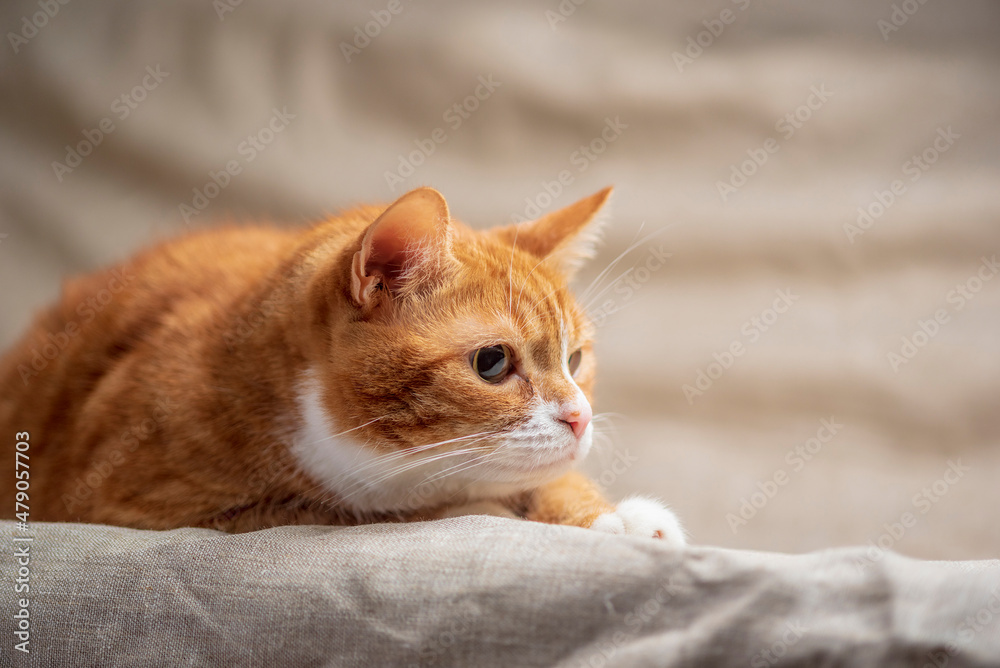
388 364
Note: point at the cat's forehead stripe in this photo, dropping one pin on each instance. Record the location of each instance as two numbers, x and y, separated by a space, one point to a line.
529 307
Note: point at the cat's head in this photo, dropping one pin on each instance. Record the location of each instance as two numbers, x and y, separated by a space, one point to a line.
454 355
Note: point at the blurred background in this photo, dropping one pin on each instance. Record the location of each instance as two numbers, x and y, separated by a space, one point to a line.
801 347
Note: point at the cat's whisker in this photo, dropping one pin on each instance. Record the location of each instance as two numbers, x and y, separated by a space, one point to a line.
467 450
539 316
430 459
403 454
347 431
510 274
421 448
525 282
361 486
612 264
487 460
377 461
590 302
358 454
451 470
427 446
395 456
601 440
631 247
604 440
587 298
459 468
605 423
482 459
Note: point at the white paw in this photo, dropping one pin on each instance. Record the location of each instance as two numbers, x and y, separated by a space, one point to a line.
639 516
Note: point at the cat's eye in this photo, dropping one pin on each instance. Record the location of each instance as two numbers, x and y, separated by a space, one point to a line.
492 364
574 362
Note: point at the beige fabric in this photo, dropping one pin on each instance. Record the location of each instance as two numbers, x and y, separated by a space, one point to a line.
484 591
784 229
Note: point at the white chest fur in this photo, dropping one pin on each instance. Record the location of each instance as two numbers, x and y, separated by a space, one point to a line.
366 480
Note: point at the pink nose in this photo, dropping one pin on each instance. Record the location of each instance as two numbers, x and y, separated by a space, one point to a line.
577 416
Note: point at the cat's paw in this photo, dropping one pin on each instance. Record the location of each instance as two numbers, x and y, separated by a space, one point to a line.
639 516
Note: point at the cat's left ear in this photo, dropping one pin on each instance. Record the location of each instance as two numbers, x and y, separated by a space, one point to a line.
565 237
404 248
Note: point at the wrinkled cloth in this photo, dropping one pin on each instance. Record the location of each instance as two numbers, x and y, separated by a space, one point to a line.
485 591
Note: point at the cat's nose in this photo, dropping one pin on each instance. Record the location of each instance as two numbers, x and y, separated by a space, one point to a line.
577 416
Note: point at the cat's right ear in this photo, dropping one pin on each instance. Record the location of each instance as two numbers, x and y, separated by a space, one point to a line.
565 238
403 249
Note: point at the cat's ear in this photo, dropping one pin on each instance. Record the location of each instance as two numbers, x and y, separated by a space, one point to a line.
404 247
565 237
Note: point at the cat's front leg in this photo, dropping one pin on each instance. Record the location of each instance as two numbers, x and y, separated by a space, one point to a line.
575 500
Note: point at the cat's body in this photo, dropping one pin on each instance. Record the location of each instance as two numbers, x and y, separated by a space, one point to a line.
243 378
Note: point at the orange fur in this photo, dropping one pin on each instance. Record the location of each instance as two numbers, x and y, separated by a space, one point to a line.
172 396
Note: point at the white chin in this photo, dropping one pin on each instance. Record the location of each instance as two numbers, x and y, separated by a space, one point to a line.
531 467
585 442
531 460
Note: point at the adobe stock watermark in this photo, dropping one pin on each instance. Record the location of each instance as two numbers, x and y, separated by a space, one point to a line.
248 150
31 25
257 483
985 618
922 503
928 328
364 34
634 622
772 655
87 310
913 169
620 463
714 27
898 17
796 458
246 324
431 651
121 108
786 126
223 7
580 161
626 286
96 475
22 544
752 329
563 11
454 116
